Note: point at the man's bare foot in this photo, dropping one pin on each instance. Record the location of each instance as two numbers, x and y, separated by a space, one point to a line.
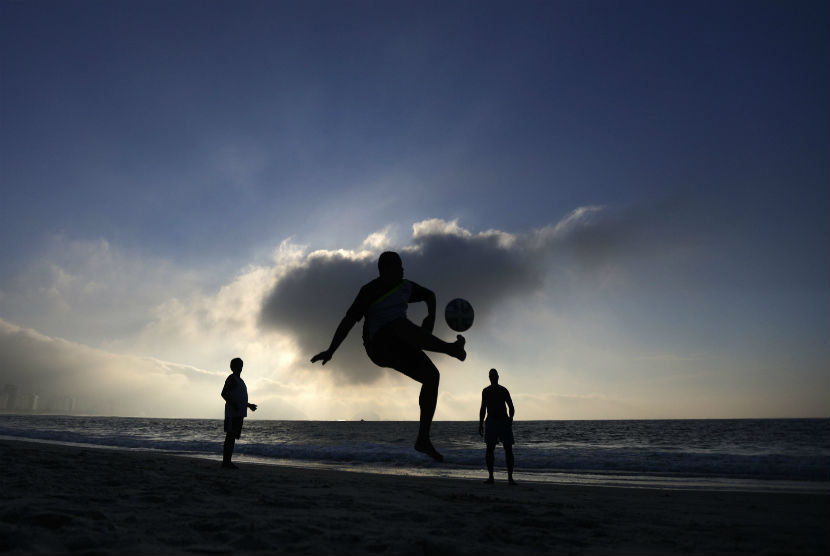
510 481
458 351
489 481
428 449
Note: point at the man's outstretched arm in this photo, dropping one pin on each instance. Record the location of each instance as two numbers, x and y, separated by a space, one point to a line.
354 314
339 335
420 293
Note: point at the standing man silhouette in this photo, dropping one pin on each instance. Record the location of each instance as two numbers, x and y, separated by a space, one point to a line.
391 340
499 424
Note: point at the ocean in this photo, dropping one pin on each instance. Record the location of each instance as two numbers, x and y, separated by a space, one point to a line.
790 455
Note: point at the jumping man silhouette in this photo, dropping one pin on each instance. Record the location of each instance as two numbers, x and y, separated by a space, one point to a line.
391 340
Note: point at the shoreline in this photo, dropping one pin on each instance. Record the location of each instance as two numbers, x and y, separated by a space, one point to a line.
60 499
588 478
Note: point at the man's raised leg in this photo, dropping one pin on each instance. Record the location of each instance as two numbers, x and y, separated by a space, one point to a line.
417 337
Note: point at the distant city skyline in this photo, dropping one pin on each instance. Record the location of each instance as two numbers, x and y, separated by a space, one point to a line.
633 196
12 399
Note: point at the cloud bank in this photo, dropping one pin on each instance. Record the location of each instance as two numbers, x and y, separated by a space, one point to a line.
487 268
544 301
275 315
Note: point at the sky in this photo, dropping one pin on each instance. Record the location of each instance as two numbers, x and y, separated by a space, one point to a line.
633 196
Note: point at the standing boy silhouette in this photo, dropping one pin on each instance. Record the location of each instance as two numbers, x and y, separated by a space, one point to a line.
235 394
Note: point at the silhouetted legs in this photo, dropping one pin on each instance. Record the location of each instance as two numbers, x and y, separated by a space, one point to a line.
399 345
490 458
418 366
227 450
508 456
427 400
233 430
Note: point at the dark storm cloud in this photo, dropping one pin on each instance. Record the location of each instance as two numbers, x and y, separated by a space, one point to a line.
486 268
309 301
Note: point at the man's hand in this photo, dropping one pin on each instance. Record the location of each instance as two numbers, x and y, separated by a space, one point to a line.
323 356
481 429
252 406
429 323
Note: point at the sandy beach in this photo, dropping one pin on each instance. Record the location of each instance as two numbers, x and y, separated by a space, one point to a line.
59 499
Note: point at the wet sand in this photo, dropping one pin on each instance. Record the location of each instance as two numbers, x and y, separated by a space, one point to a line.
63 499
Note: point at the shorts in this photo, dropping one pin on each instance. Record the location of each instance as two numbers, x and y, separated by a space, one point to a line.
499 430
233 425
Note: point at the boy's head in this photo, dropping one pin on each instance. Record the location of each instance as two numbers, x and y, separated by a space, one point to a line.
494 376
390 266
236 365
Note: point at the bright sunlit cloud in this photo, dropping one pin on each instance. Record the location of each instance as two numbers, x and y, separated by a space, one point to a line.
545 296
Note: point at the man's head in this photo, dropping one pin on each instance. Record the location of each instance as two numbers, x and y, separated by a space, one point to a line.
390 266
236 365
494 376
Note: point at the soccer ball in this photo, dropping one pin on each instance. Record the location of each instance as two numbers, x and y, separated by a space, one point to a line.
459 314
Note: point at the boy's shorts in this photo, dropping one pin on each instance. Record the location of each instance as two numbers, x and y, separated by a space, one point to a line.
233 425
496 430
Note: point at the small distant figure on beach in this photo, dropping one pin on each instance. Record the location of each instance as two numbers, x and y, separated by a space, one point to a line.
235 394
391 340
499 424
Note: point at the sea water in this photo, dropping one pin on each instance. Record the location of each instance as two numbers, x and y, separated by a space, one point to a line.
730 454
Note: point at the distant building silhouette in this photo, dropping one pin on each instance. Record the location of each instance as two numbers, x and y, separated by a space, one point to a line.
27 402
9 398
61 404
